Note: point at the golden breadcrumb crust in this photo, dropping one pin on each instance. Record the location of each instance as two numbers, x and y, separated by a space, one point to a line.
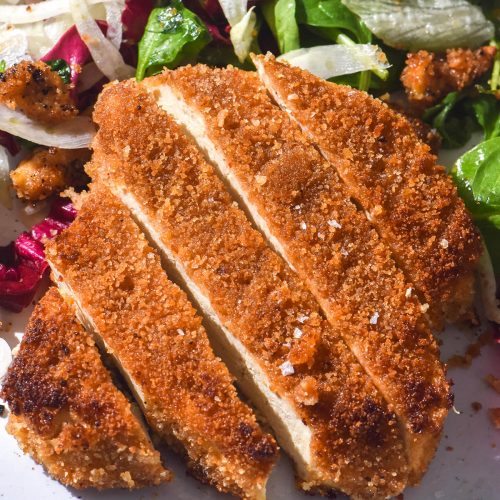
37 91
48 171
394 177
148 324
328 241
356 443
428 77
66 412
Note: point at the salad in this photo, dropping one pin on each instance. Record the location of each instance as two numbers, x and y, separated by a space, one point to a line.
437 61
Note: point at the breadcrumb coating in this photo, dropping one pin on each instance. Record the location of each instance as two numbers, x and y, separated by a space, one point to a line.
393 176
147 323
37 91
356 443
48 171
66 412
428 77
328 241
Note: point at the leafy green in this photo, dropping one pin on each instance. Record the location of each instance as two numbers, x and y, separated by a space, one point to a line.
243 35
61 67
330 18
452 120
3 66
173 36
477 175
487 111
460 113
280 16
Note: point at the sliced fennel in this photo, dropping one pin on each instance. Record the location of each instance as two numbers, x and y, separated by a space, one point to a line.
242 34
5 199
106 56
424 24
243 24
24 14
72 134
328 61
234 10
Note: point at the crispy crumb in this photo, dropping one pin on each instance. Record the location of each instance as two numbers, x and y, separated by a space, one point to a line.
495 417
48 171
428 77
493 382
476 406
37 91
472 351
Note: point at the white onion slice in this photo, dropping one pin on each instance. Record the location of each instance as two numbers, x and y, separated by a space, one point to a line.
5 357
5 198
22 14
424 24
114 20
89 76
13 46
487 282
328 61
242 34
234 10
106 56
72 134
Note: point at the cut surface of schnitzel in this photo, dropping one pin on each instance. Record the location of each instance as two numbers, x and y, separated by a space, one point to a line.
298 201
148 326
323 407
408 197
66 412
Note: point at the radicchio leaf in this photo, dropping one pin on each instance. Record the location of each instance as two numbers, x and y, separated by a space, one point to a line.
22 262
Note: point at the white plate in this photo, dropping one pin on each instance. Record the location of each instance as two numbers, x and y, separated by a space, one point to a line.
466 467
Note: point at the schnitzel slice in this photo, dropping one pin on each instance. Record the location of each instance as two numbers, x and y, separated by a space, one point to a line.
66 412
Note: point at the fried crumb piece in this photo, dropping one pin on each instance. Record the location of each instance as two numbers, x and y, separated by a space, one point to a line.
66 412
428 76
473 351
48 171
493 382
476 406
495 417
37 91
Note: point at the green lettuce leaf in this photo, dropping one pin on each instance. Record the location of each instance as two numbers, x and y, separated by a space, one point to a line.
173 36
330 18
461 113
477 175
280 16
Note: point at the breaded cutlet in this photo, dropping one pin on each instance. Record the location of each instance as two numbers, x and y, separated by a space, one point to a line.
298 201
323 407
104 263
394 177
66 412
